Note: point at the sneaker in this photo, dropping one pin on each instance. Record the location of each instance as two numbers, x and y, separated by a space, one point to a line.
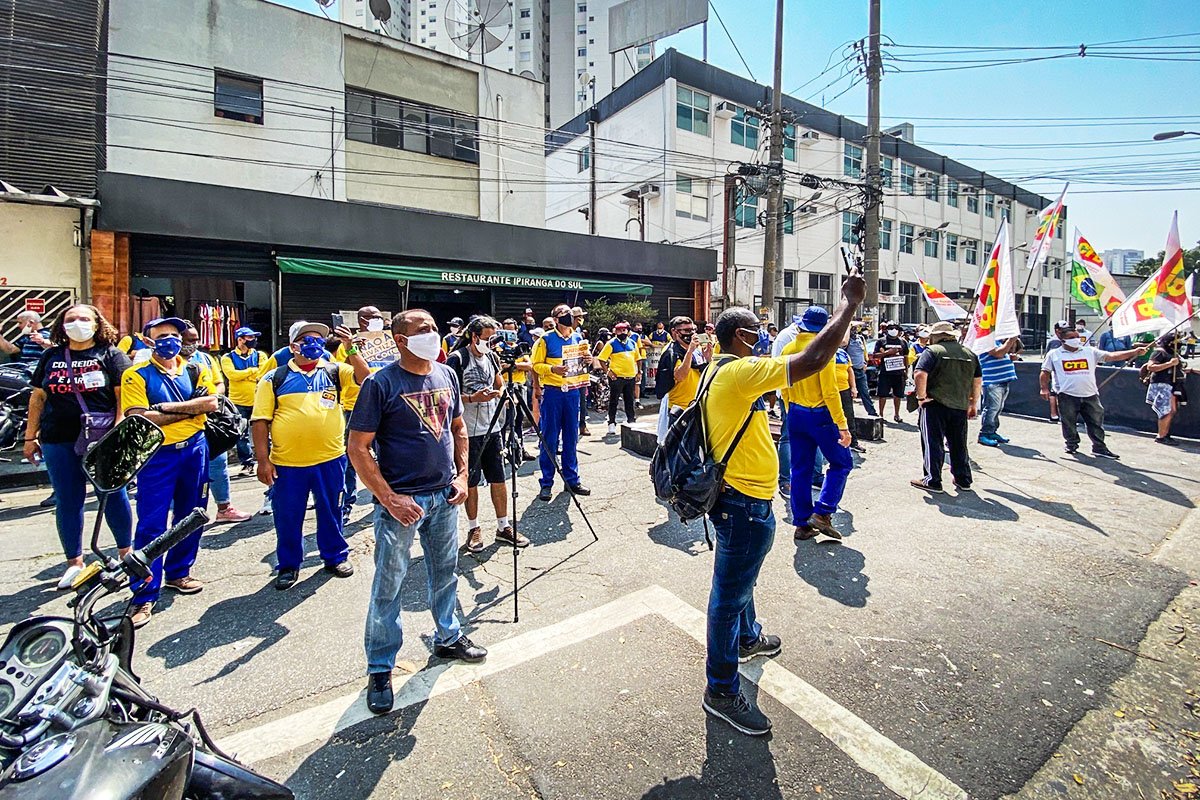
185 585
821 523
764 646
230 514
462 650
140 614
545 494
342 569
738 712
896 418
49 502
1001 439
379 692
68 577
858 448
475 540
346 516
1106 453
528 456
249 470
612 430
583 432
508 536
267 509
963 487
1071 449
286 579
1167 440
579 489
1054 419
989 441
936 488
785 490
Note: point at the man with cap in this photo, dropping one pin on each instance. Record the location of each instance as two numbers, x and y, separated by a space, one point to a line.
450 340
559 405
816 422
1054 342
298 406
579 316
243 366
176 477
948 384
621 358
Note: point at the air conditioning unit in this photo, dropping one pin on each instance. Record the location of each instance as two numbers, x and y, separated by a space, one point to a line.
809 209
927 175
970 190
648 190
726 110
808 137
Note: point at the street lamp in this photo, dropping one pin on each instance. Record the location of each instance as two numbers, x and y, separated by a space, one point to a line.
1162 137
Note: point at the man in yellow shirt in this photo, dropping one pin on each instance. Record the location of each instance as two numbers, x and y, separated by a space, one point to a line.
622 356
554 355
678 375
742 516
243 366
162 390
298 406
816 422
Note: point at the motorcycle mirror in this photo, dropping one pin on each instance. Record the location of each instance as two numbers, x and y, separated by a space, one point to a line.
120 455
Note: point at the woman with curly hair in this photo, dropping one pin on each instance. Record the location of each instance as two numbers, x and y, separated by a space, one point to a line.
82 368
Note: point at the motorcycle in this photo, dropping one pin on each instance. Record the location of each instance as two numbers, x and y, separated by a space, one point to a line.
15 391
75 721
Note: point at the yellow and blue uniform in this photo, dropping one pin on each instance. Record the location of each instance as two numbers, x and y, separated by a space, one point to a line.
218 463
176 477
560 408
135 346
815 419
349 397
738 386
622 357
308 450
242 371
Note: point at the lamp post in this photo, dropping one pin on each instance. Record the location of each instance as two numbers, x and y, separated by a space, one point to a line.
1162 137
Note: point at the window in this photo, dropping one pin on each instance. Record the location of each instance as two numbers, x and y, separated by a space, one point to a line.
743 129
415 134
989 205
789 142
582 8
581 30
952 193
970 251
691 198
973 201
885 171
931 243
907 234
789 212
585 157
932 187
789 280
524 13
820 288
746 213
581 52
851 227
525 34
852 161
908 179
951 247
238 97
885 235
910 308
691 110
1006 213
358 118
415 127
433 19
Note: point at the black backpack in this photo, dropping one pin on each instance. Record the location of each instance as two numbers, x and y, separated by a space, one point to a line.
223 427
684 472
331 371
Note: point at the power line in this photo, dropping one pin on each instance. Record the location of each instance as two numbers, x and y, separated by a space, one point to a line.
736 49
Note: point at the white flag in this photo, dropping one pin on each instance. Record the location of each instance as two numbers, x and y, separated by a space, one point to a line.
995 315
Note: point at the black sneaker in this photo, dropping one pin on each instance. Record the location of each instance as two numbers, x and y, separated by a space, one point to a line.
286 579
1071 449
765 646
1106 453
738 712
342 569
379 692
462 650
1165 440
579 489
545 494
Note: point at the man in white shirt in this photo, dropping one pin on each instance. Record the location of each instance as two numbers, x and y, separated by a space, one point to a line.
1073 368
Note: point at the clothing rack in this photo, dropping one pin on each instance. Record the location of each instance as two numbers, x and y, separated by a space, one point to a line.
216 321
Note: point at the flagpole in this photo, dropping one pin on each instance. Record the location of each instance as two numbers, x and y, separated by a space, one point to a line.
1160 336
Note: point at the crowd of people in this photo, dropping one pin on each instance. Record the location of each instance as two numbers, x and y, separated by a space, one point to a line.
422 430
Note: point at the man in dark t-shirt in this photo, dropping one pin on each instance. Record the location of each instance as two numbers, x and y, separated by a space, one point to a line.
948 382
892 352
410 413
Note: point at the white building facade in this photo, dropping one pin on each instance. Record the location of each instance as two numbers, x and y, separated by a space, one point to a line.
1122 262
670 136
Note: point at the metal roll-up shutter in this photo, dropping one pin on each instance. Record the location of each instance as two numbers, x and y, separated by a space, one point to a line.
314 298
668 298
169 257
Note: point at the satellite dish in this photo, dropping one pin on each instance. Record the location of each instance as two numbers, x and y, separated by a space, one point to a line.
479 25
528 73
325 3
380 9
585 78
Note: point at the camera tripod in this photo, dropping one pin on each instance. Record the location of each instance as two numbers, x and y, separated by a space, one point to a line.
510 415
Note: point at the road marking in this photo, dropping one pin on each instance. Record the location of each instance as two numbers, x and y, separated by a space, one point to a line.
898 770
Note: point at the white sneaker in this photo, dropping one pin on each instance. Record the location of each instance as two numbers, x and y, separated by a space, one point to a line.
267 509
69 577
249 471
612 429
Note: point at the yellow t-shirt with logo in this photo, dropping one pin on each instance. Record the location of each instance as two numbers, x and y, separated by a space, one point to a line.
306 420
148 383
519 377
816 390
737 389
683 392
242 372
350 393
622 357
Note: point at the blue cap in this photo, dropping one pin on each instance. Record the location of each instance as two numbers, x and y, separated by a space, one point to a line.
180 324
244 331
814 319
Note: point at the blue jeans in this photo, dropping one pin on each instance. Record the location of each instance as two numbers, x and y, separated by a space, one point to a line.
176 481
244 449
745 530
785 451
350 492
70 488
293 485
814 433
438 530
994 397
860 382
218 478
560 415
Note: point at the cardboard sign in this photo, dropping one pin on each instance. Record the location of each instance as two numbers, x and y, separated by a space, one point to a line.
575 358
35 304
377 347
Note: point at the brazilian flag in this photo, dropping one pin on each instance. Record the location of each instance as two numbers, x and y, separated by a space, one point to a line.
1083 288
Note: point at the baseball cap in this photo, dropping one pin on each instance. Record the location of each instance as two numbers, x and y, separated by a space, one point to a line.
244 331
1062 323
303 328
180 324
578 312
621 326
944 328
813 319
456 321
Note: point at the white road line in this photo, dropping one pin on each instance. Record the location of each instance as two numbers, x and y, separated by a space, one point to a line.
896 768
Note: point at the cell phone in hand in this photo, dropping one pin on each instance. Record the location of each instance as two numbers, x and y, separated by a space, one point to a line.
702 339
336 320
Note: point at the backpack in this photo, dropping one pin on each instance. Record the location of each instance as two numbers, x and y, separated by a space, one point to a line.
684 472
223 427
331 371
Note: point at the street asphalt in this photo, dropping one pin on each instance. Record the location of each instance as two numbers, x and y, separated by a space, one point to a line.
966 644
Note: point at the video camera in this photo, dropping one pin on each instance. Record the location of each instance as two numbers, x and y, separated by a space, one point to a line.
507 348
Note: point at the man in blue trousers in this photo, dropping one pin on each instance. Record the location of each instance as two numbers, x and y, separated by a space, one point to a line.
299 407
560 404
176 478
816 423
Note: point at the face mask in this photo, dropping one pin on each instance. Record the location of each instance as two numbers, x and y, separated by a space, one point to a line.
249 343
425 346
622 336
312 347
893 331
188 350
566 320
168 347
80 330
1081 328
686 338
484 347
1073 344
375 325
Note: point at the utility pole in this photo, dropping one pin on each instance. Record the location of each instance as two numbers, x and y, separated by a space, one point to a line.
774 174
729 244
871 221
592 170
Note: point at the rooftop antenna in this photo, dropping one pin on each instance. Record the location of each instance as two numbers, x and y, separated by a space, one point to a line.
479 25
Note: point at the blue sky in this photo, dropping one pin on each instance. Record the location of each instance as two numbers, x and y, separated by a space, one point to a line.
1043 102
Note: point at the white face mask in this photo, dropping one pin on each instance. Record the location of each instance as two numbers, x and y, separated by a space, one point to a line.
484 347
425 346
80 330
375 324
1073 344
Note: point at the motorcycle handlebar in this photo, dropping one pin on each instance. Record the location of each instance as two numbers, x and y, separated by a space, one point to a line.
155 550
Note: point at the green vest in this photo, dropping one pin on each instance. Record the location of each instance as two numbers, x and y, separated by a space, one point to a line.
952 375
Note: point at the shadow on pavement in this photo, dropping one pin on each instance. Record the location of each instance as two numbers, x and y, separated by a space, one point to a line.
735 766
1140 481
969 505
688 539
834 570
545 523
1063 511
29 601
1024 452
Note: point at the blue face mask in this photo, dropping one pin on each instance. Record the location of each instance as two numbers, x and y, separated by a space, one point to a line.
168 347
763 346
312 347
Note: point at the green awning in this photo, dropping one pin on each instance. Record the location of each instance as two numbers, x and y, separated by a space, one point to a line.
461 277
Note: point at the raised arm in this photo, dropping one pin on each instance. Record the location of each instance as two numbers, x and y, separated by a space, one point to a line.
824 346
